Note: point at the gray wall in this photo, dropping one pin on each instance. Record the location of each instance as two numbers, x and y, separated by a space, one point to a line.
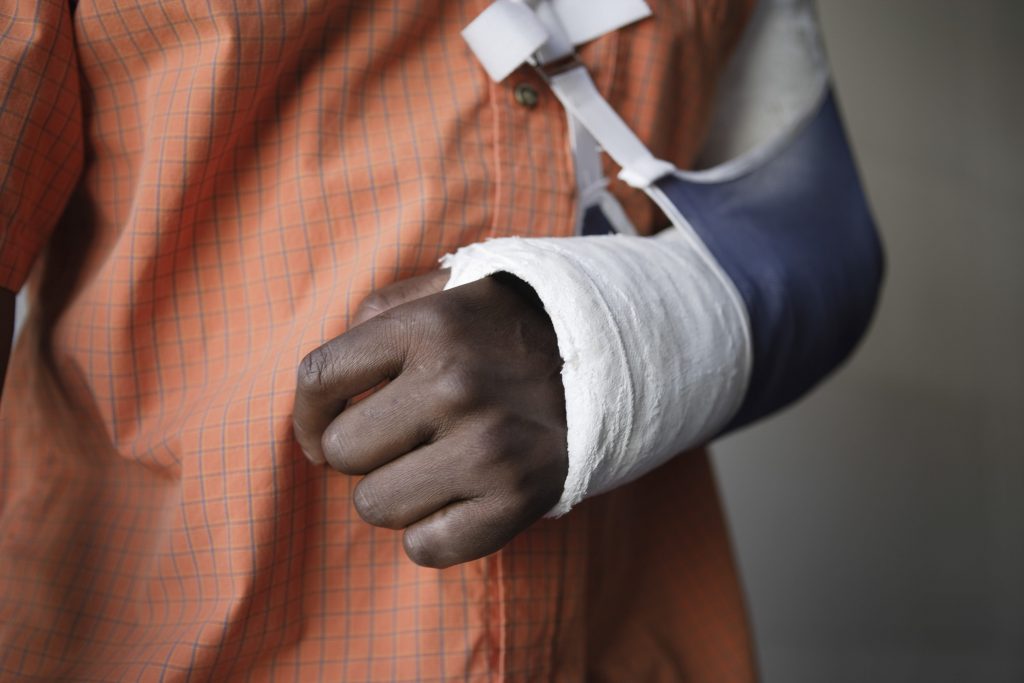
880 523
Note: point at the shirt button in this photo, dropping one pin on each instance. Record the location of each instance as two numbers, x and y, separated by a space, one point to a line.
526 95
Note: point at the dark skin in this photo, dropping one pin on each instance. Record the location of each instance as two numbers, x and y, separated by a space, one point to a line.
465 446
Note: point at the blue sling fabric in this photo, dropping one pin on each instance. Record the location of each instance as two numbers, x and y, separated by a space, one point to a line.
595 222
797 239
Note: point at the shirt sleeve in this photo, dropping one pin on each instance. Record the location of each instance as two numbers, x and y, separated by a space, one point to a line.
41 139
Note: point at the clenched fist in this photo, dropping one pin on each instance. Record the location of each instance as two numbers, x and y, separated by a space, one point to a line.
465 445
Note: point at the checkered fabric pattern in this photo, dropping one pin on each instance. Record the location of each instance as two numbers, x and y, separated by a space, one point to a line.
202 191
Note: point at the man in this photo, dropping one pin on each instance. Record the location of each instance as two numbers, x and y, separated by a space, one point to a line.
206 192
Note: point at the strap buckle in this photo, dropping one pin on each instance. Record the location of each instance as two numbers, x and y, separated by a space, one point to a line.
551 69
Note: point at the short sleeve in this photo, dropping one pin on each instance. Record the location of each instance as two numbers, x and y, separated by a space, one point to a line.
41 139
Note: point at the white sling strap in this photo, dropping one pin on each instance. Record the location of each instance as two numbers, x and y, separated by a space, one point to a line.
585 20
580 97
502 37
509 32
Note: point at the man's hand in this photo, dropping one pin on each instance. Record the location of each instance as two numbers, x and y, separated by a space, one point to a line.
465 446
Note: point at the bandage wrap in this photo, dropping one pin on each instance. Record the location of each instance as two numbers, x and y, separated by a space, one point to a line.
605 295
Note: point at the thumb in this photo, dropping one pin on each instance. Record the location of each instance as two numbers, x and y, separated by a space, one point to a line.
399 293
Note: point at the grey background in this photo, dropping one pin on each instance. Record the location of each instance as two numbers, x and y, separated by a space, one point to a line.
880 523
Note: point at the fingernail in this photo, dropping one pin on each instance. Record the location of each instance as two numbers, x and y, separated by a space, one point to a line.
314 458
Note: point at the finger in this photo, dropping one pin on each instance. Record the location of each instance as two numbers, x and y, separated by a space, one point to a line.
399 293
387 424
414 486
342 368
463 531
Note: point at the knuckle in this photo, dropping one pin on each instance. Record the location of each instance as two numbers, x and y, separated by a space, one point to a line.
519 497
527 466
502 437
375 302
440 313
313 371
457 387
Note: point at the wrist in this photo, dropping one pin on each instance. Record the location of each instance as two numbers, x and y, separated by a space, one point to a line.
655 353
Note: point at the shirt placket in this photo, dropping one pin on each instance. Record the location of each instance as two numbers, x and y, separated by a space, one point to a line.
534 188
537 583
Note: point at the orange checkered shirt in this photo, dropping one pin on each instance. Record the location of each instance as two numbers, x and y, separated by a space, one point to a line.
201 191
